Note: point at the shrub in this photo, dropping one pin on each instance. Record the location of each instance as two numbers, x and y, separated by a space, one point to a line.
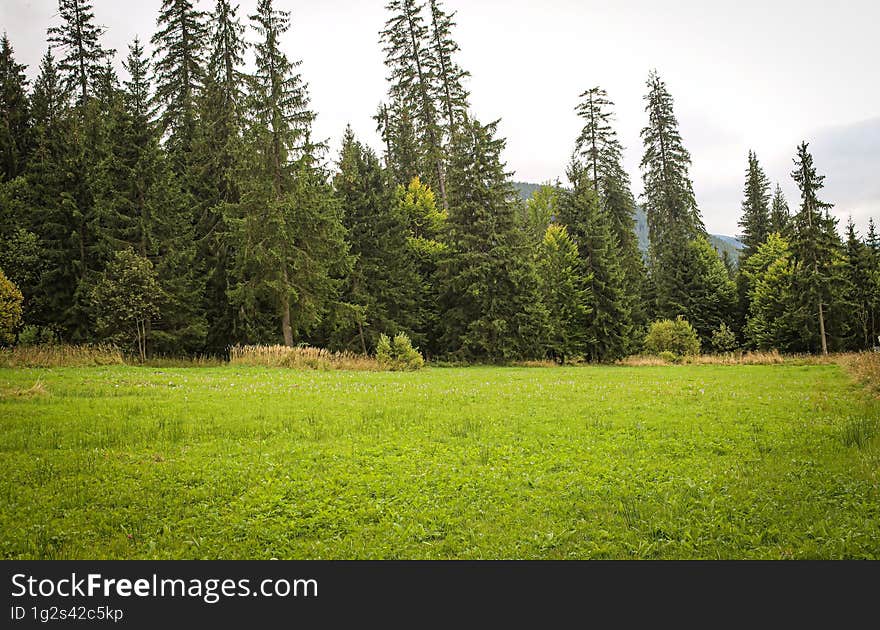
677 337
723 339
11 300
37 336
398 353
669 357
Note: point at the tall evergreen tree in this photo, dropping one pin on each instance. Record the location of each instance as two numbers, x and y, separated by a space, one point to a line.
216 163
406 42
77 37
448 88
383 287
755 221
813 246
566 294
178 55
15 132
489 297
780 215
860 289
609 325
668 191
602 155
291 248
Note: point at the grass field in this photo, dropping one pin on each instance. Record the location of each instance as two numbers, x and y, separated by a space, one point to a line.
707 461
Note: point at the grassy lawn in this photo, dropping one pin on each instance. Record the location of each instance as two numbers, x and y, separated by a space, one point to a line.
592 462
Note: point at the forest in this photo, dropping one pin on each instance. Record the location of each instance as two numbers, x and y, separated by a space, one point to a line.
184 207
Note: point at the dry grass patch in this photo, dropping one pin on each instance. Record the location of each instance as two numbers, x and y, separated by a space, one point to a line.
35 390
301 358
49 356
865 368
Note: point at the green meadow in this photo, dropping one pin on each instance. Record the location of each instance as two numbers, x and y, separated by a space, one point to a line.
700 461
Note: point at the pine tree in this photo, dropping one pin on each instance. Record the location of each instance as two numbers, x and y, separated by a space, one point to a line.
872 247
51 210
609 326
602 155
15 133
566 294
489 294
215 166
179 68
397 130
384 285
780 215
668 192
290 242
813 247
406 42
78 37
860 287
755 220
774 321
448 88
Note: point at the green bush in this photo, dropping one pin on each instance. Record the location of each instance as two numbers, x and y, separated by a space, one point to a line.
668 356
677 337
37 336
11 301
723 339
398 353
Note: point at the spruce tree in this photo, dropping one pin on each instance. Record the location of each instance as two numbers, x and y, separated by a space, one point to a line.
814 247
290 242
773 321
51 211
15 133
780 215
384 285
178 55
668 191
602 155
489 293
406 41
77 37
448 88
860 288
755 221
566 294
216 162
397 129
609 325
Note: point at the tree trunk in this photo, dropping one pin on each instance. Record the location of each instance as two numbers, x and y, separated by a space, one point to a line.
822 329
286 328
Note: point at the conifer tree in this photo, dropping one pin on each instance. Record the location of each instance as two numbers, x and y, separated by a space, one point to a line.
384 282
216 162
15 133
602 155
178 55
77 37
609 325
773 321
566 294
489 293
406 42
860 288
814 245
51 211
448 88
780 215
397 129
291 248
668 192
755 221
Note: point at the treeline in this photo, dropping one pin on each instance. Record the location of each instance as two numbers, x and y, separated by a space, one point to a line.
186 207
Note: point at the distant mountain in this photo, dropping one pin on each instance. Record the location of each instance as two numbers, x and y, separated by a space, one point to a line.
732 245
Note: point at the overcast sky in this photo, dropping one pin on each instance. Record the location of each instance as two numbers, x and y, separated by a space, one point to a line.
745 74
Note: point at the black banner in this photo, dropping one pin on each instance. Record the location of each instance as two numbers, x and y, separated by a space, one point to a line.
219 594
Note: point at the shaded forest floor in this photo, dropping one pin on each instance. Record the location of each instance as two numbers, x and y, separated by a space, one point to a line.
689 461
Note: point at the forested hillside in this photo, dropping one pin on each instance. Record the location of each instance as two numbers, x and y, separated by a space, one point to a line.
184 206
